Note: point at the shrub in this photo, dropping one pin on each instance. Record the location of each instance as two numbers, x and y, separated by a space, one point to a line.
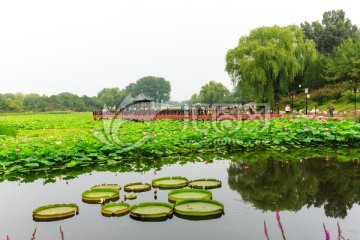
324 95
349 96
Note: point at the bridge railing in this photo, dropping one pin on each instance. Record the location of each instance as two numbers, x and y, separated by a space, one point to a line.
216 112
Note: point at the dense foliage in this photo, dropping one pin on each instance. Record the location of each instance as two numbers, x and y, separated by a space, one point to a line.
211 93
331 32
267 61
57 142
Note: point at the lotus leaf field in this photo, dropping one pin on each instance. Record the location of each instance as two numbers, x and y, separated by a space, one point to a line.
53 142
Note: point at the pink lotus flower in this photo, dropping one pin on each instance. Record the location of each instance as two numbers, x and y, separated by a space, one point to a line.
206 162
327 158
144 134
154 135
246 167
278 219
280 225
33 235
266 232
17 150
327 233
62 233
340 236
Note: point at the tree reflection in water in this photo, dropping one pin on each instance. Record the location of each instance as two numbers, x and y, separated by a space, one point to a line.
272 185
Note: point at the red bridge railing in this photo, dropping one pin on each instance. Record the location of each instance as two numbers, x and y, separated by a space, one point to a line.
199 114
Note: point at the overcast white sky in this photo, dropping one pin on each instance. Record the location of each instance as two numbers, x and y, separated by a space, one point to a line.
48 47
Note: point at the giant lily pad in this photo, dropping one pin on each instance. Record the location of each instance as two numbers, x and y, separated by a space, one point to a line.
130 196
205 183
198 209
107 185
115 209
55 212
96 195
151 211
170 182
137 187
188 194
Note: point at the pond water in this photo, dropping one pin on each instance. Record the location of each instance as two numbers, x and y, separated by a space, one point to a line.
307 192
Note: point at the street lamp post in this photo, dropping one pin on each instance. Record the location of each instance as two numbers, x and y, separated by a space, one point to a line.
306 100
292 102
355 90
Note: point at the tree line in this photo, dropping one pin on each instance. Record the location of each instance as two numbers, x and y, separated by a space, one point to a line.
155 87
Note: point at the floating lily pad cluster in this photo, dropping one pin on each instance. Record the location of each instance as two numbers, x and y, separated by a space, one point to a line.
55 212
101 193
137 187
194 202
152 211
205 183
115 209
170 182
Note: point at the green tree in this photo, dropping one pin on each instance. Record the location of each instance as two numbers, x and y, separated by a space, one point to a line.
194 99
70 101
91 102
16 103
111 96
268 60
155 87
131 89
333 30
213 92
2 102
32 102
344 64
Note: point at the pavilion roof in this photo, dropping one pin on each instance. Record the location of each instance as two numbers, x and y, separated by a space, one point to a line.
142 98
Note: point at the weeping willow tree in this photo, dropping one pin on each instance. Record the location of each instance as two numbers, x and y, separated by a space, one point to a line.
265 63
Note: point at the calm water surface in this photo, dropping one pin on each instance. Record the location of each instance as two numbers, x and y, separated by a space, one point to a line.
308 193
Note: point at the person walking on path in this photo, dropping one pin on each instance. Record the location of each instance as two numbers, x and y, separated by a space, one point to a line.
287 109
331 109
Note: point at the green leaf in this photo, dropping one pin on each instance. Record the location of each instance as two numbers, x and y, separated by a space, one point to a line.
32 165
73 163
